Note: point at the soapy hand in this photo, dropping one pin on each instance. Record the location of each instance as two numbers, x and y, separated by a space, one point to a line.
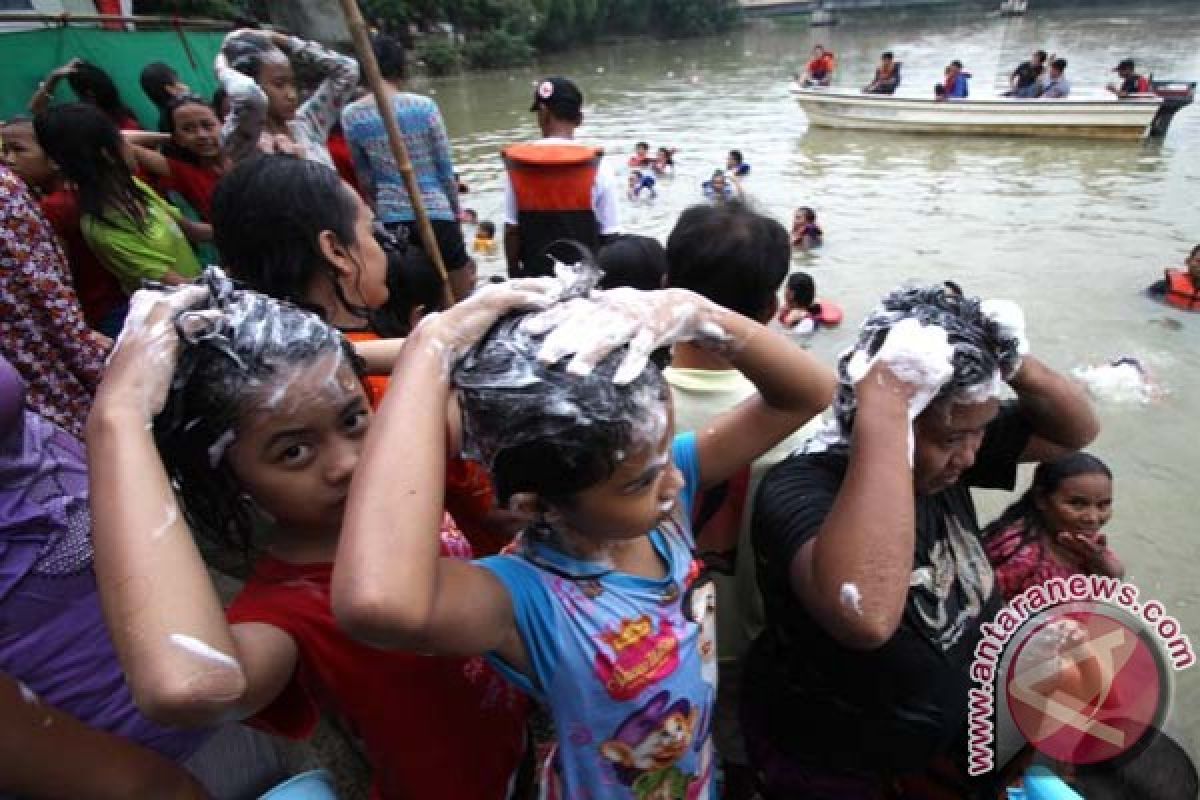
918 355
590 328
1010 320
143 360
456 330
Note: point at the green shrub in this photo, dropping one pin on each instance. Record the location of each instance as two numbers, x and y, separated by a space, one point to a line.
497 48
441 56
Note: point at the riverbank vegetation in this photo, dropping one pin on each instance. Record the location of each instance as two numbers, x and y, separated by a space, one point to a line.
503 33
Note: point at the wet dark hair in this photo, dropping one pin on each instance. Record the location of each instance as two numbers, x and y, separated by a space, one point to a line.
1040 55
267 214
638 262
174 104
488 227
389 52
1048 476
803 290
888 55
541 429
642 145
732 255
155 79
981 348
956 63
736 155
413 282
1158 770
1059 64
94 86
807 213
224 366
953 288
1195 251
87 148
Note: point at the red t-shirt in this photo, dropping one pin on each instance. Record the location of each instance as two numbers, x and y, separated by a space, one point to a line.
432 727
339 151
195 183
98 290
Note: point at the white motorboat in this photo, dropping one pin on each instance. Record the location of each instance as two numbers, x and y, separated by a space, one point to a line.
1087 115
1013 8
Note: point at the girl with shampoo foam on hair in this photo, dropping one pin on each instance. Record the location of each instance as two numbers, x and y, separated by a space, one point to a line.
600 610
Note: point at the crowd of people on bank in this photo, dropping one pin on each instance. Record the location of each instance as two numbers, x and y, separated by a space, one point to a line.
581 533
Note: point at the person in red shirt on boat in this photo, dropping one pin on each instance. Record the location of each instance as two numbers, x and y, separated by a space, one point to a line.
819 70
1131 82
1180 287
887 76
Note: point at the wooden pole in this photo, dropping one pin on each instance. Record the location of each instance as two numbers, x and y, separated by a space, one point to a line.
65 19
383 102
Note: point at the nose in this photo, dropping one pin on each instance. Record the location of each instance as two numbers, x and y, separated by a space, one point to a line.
342 460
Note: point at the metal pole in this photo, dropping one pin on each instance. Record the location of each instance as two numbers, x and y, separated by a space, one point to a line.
366 57
68 19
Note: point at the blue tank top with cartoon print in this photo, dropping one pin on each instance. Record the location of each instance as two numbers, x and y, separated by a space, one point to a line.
627 665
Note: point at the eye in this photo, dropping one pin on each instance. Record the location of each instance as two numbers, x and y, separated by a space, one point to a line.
296 455
356 422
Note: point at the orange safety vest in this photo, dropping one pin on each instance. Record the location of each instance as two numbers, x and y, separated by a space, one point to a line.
1182 292
553 184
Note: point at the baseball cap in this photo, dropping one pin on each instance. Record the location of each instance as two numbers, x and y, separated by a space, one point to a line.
1125 64
559 94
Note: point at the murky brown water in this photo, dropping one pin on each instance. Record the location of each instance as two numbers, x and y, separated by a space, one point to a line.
1073 230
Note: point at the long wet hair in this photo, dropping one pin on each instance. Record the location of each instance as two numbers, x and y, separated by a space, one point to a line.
539 428
1048 476
94 86
226 362
90 153
155 79
267 215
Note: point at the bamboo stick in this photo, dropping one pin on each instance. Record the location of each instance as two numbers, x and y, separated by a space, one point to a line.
366 57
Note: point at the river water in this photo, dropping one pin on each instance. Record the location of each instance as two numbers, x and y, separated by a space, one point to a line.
1072 230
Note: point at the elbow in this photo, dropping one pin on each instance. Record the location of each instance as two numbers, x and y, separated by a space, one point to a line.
376 619
867 631
195 699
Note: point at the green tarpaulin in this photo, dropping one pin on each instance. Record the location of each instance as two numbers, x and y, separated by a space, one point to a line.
26 58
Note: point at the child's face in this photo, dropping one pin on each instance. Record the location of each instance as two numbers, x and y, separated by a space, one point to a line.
197 130
641 492
25 156
298 446
278 82
1080 504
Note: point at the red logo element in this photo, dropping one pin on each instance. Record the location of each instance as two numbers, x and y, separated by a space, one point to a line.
641 656
1084 688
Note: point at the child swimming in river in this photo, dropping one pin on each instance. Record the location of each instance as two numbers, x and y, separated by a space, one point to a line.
806 233
1054 530
600 611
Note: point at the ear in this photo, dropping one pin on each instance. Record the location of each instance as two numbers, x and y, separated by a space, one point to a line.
336 253
526 503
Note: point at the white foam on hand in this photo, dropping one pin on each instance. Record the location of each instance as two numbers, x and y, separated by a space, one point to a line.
1010 319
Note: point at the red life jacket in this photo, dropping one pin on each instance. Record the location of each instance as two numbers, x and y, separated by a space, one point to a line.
1182 292
553 184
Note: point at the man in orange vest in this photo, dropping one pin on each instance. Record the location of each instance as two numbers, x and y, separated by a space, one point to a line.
557 190
1181 288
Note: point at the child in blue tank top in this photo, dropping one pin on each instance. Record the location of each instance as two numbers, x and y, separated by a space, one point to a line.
600 609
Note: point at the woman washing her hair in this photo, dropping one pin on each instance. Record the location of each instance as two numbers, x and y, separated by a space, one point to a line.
255 69
134 232
91 85
1054 530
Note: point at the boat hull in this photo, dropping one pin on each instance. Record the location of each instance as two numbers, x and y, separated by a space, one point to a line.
1090 118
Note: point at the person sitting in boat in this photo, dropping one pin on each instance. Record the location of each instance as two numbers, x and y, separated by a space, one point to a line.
1026 79
1131 82
719 188
641 156
640 182
1056 85
664 161
1180 287
736 164
806 233
954 87
887 76
819 70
